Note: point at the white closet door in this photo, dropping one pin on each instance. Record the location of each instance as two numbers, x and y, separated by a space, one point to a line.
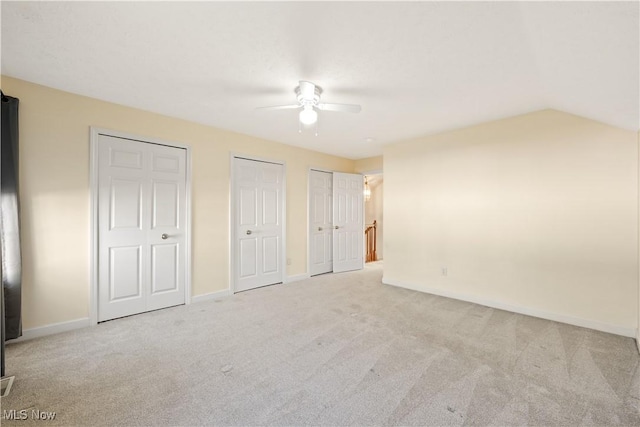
259 188
166 237
320 222
348 230
141 220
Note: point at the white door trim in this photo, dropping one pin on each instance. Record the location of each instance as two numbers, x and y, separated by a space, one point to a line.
232 223
95 133
371 172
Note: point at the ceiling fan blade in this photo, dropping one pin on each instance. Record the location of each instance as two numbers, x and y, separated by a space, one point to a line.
346 108
307 89
279 107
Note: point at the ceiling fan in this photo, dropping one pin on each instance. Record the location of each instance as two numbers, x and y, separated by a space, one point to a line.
308 96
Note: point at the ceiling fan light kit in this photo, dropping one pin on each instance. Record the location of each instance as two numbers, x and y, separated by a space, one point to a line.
308 115
308 97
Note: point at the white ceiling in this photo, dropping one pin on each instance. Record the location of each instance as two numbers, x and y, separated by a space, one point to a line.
416 68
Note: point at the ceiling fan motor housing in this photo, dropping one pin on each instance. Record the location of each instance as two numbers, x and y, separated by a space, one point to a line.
308 99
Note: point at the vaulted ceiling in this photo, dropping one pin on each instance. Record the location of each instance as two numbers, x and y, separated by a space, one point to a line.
416 68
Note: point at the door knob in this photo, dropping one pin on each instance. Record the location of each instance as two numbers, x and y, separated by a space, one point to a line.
164 236
248 232
319 228
336 227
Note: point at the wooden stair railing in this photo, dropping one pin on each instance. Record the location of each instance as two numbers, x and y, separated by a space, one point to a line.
370 234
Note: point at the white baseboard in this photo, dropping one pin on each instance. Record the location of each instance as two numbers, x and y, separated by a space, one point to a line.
296 278
54 328
210 296
557 317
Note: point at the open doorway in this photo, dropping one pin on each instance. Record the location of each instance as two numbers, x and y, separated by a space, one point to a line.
373 218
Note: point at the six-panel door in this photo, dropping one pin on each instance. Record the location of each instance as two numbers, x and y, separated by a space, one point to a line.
141 220
259 188
348 222
320 222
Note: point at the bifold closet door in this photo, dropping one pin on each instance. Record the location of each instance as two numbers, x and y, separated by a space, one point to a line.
258 196
142 227
320 222
348 226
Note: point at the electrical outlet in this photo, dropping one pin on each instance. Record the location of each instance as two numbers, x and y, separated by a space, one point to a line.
444 271
288 261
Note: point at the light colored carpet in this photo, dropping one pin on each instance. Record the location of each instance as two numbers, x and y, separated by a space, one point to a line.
340 349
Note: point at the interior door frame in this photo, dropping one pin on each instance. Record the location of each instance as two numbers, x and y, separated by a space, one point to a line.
364 216
232 211
311 168
94 136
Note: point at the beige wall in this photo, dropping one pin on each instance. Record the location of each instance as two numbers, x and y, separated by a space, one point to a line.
54 162
537 212
370 164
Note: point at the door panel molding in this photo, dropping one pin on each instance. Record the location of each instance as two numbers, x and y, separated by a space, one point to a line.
281 259
348 220
319 240
162 163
